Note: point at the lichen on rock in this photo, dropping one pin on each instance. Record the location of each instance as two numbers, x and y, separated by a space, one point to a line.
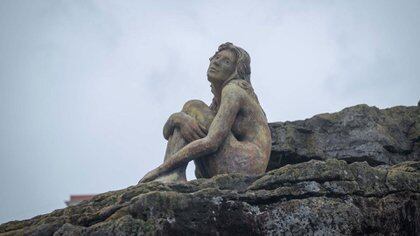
315 197
349 177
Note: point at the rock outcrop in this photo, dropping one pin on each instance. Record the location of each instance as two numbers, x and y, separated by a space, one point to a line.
352 172
316 197
359 133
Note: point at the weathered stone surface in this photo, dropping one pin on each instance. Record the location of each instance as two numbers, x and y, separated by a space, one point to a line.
317 197
359 133
352 172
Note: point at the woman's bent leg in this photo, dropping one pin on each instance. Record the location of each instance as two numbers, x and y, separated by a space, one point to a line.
175 143
204 116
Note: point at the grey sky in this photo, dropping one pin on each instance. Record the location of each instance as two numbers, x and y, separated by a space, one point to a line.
86 86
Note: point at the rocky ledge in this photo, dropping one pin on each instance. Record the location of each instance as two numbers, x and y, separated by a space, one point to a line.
352 172
316 197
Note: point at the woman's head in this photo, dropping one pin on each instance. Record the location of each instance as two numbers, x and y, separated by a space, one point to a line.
229 62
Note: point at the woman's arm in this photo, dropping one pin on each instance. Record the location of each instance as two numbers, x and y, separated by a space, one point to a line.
218 131
173 121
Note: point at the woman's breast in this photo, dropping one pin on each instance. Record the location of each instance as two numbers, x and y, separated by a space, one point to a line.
239 128
251 127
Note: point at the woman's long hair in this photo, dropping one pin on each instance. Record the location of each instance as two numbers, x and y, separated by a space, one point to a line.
241 75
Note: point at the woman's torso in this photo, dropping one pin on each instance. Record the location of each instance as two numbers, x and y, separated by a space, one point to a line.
247 148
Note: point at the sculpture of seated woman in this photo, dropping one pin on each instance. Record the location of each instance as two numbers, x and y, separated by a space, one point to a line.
229 136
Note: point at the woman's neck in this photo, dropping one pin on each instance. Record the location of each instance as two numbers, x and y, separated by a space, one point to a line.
216 89
217 86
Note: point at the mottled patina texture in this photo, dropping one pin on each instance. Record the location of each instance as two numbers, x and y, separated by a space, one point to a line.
313 198
229 136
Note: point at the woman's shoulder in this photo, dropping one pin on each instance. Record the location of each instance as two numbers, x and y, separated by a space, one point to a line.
244 88
237 83
241 86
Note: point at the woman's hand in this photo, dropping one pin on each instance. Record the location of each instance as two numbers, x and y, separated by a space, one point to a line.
191 130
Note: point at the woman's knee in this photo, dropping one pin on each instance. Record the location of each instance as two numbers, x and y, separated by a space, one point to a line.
194 105
199 111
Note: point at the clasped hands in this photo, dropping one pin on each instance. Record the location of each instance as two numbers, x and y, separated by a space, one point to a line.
188 126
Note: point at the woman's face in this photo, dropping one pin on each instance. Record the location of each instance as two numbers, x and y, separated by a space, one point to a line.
221 67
